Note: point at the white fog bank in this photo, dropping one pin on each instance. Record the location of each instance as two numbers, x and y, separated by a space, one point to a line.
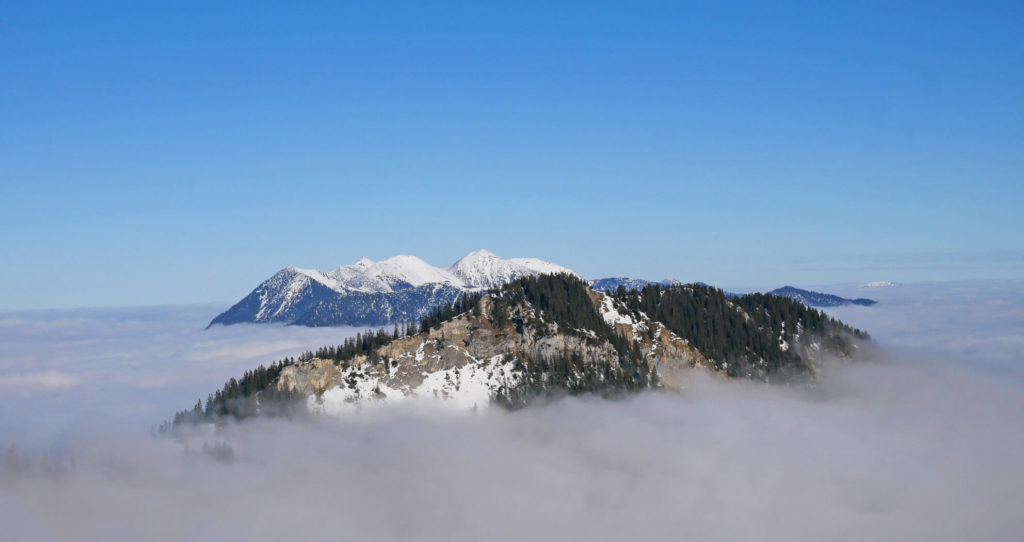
129 367
921 443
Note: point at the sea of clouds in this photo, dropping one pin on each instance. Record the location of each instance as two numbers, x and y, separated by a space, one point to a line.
921 442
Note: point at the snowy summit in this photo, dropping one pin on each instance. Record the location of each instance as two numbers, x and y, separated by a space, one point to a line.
482 269
400 288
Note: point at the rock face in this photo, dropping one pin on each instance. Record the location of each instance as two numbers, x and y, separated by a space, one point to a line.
311 378
469 362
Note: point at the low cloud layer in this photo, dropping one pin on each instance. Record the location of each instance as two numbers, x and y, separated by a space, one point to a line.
130 367
920 443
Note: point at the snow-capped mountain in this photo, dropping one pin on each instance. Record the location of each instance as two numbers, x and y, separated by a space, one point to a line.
401 288
395 273
482 269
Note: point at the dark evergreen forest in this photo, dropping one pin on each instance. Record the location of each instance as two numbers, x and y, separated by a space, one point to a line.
743 334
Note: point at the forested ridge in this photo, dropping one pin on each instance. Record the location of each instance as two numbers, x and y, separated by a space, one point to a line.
565 300
753 335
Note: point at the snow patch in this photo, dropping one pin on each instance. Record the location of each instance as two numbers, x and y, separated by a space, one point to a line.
611 315
470 387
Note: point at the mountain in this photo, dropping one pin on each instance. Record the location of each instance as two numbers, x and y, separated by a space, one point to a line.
367 293
542 336
481 270
817 299
406 288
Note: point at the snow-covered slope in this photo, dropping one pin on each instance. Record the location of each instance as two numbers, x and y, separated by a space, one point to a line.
482 269
285 295
401 288
395 273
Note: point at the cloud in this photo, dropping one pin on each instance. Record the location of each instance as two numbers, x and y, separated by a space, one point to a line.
915 444
135 366
28 383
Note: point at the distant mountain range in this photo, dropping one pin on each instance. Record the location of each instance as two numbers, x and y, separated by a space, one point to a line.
817 299
406 288
807 297
613 283
368 293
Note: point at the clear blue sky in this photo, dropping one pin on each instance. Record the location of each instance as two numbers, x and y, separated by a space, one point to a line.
180 152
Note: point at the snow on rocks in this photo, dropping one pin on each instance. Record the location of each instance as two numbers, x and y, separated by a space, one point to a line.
466 388
614 318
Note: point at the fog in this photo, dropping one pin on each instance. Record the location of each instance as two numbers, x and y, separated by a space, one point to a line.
129 367
921 442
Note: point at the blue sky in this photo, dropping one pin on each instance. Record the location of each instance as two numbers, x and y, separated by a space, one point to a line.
160 153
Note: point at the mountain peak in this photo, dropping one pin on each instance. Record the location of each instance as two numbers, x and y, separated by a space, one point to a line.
369 292
391 273
311 273
481 254
405 259
483 269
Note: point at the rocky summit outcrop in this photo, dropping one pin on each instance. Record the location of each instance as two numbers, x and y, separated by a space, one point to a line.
471 362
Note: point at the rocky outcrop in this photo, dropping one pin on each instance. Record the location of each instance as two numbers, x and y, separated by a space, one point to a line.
310 378
471 361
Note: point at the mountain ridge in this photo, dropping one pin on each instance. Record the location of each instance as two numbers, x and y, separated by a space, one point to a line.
404 288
